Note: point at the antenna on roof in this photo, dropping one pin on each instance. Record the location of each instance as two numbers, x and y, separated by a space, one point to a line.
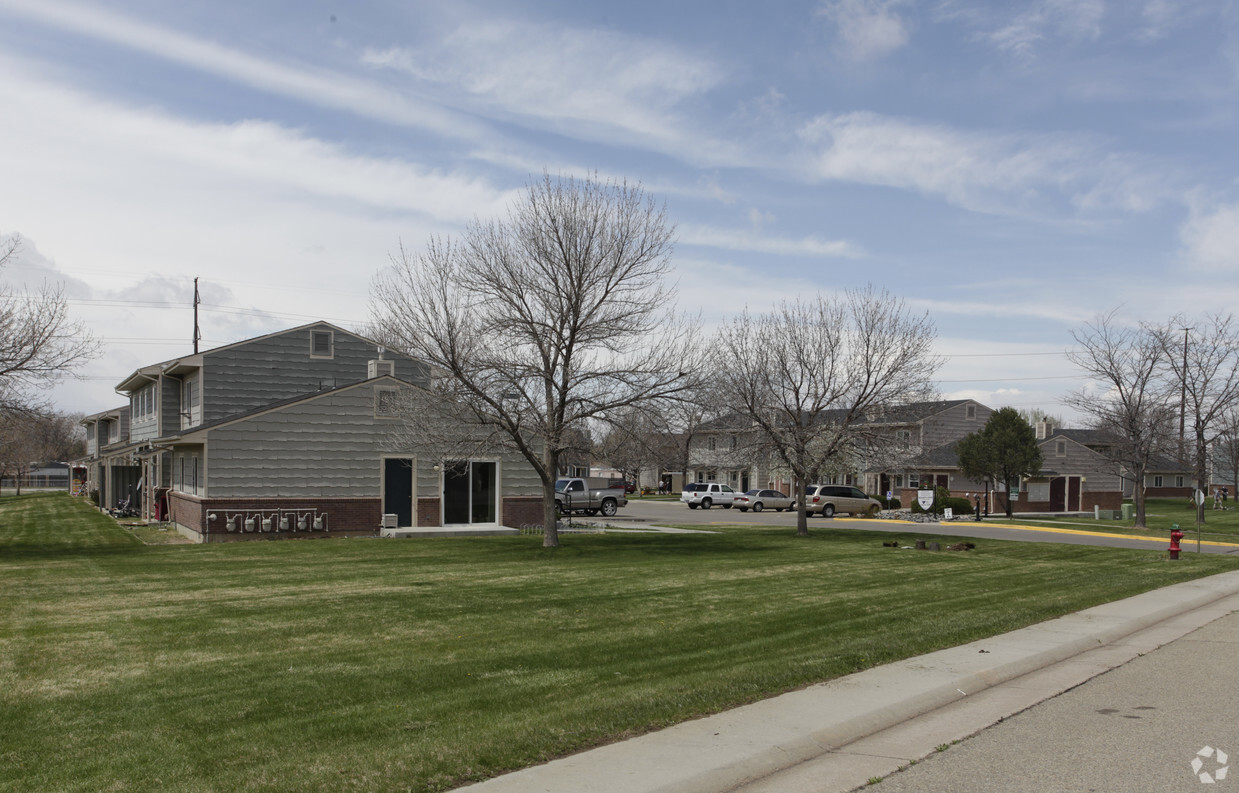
197 332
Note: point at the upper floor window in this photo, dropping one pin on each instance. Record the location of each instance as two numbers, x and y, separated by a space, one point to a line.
321 344
142 403
1060 449
903 436
711 443
731 443
971 411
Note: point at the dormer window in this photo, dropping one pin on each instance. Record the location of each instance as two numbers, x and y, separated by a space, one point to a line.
321 344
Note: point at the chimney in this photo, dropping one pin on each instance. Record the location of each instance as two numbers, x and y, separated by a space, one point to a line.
1044 429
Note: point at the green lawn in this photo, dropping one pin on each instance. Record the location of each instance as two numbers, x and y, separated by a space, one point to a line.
397 665
1161 514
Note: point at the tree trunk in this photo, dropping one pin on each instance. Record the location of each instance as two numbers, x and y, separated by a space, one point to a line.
550 520
1139 497
802 514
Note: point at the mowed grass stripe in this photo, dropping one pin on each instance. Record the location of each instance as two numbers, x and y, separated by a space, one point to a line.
392 665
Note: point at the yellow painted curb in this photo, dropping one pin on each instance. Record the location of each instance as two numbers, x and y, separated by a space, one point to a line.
1056 530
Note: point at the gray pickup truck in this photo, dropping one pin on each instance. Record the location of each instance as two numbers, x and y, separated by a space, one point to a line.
577 496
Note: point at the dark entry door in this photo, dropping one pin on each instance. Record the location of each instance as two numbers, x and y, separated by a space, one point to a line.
1058 494
398 489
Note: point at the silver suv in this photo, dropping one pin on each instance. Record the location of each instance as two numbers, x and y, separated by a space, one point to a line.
826 500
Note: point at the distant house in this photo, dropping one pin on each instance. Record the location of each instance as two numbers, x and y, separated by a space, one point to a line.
1075 475
292 433
730 450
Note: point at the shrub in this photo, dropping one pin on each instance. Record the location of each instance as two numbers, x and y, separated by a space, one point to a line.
891 503
942 500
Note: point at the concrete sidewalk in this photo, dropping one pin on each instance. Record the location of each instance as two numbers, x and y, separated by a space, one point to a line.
837 735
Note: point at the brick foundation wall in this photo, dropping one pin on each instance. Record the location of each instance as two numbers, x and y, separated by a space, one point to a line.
522 510
1170 492
428 512
345 517
998 503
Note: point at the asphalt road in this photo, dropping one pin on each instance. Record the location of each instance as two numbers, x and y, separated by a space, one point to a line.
1153 724
676 513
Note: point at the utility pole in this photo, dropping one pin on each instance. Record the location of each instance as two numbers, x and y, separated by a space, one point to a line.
1183 399
197 333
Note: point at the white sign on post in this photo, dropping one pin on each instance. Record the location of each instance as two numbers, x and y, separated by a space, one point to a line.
925 498
1200 497
948 513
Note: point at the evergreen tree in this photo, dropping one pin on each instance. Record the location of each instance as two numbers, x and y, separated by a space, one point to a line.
1003 450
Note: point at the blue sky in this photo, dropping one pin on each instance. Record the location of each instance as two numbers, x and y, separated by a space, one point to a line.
1012 168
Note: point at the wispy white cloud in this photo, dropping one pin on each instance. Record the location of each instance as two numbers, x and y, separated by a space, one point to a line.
300 81
988 172
1211 238
867 29
591 84
755 242
1072 20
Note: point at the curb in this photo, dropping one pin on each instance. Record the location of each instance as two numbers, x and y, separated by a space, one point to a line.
726 750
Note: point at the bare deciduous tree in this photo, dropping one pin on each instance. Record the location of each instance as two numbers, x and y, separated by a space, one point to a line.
27 439
38 341
1131 402
1205 367
809 374
544 321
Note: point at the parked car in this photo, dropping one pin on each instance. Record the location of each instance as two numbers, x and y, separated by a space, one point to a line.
826 500
707 494
575 495
757 500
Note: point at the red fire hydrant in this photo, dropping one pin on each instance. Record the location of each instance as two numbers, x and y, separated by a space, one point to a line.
1175 536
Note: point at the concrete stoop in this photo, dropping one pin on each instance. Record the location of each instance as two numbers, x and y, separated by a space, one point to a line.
451 531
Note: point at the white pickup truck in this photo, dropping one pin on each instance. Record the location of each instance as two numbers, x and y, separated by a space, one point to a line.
707 494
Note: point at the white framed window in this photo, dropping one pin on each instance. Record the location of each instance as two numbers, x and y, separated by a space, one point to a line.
1178 481
903 436
1060 449
711 443
322 344
1157 481
970 411
914 481
731 443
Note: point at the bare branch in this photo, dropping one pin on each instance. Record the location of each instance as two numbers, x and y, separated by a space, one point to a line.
547 320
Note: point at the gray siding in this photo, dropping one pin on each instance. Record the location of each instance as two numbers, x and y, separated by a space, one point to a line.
252 374
952 424
169 405
1079 460
330 446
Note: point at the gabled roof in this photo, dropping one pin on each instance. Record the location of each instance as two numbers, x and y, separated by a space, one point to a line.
914 411
1084 437
194 360
104 414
